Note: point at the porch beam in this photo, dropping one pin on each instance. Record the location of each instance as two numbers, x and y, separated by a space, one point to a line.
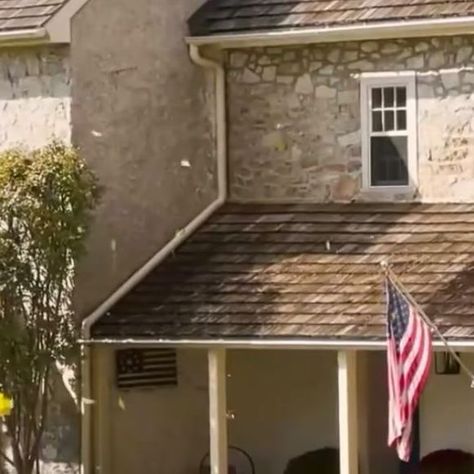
348 430
218 410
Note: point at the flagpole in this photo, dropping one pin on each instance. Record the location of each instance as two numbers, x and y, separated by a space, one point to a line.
389 273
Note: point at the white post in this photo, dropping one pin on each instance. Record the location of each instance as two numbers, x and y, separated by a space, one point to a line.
218 410
103 374
348 432
86 411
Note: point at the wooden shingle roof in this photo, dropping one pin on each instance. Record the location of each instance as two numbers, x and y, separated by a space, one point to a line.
306 271
27 14
237 16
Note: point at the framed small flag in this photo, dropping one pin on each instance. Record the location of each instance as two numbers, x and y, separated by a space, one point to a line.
145 368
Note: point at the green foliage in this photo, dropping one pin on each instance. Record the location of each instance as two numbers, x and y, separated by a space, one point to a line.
46 199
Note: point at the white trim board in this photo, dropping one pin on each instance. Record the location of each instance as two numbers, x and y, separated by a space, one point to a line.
59 25
360 32
368 81
327 344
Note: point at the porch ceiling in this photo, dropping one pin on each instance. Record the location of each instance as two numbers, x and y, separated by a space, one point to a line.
304 271
238 16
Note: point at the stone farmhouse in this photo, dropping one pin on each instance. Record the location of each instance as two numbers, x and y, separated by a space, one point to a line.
333 136
260 160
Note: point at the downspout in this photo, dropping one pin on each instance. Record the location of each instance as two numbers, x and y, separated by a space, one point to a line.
181 236
221 118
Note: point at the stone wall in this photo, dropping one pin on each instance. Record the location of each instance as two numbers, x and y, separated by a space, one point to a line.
294 117
34 96
35 104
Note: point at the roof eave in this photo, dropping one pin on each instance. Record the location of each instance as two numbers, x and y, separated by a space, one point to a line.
59 25
329 343
359 32
57 30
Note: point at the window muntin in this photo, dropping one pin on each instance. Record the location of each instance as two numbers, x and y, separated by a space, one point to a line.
388 111
388 136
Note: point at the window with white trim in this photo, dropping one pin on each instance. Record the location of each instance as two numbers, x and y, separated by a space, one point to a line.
388 114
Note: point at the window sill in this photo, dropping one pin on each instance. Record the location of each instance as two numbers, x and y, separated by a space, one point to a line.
389 193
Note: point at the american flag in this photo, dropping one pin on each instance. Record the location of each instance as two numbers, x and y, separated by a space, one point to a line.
409 360
142 368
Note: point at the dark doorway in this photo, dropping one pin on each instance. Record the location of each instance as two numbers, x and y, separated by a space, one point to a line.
407 467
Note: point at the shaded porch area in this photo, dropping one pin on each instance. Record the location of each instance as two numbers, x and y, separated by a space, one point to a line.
273 404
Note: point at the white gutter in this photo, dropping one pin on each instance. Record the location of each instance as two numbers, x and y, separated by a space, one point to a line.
376 31
183 234
221 118
23 35
321 344
221 152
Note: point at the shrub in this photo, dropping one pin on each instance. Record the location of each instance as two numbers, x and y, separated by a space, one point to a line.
46 198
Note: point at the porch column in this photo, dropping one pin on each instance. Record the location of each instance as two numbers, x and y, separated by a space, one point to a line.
103 381
218 410
348 432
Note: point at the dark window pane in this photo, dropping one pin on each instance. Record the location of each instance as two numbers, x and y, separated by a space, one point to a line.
377 125
401 120
376 98
388 161
389 120
401 96
388 97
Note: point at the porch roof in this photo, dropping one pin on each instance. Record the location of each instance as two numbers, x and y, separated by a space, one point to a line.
17 15
304 271
239 16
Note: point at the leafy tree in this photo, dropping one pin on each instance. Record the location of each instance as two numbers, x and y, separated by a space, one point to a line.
46 200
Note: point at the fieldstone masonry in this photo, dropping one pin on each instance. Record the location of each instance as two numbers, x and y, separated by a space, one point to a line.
294 118
35 103
34 96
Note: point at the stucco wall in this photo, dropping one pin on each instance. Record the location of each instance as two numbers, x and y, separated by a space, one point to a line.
284 403
280 404
163 430
374 455
34 96
447 411
142 116
295 118
61 441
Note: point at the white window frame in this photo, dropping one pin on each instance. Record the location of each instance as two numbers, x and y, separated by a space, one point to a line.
368 81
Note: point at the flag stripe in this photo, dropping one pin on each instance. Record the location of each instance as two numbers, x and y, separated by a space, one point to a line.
409 348
137 368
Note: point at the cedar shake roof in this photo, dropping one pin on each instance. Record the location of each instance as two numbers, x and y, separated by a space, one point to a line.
27 14
304 271
232 16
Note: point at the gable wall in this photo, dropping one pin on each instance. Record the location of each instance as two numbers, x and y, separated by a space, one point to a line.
142 116
294 117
